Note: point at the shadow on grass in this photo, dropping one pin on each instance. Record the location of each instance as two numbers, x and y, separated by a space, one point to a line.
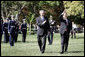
66 52
74 52
27 41
4 42
22 42
31 41
80 38
51 52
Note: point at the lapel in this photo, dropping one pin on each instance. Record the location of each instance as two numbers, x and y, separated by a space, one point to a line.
40 19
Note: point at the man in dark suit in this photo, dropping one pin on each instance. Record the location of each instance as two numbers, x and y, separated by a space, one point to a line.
11 31
5 30
42 29
16 30
24 30
50 36
65 28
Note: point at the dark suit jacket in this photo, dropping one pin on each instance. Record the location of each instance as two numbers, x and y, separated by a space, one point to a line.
42 29
17 27
69 26
64 26
24 27
5 27
52 25
11 29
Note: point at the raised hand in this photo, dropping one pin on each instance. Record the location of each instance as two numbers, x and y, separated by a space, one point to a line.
44 22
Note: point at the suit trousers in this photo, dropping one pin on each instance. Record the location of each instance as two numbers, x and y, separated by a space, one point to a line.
64 41
50 38
12 38
41 42
16 36
24 33
6 37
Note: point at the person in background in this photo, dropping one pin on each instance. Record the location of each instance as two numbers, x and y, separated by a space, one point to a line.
52 25
5 31
11 30
73 31
16 30
24 30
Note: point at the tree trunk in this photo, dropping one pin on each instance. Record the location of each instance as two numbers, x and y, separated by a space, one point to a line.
30 29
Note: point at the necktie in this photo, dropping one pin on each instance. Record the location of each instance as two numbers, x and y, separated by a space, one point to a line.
42 18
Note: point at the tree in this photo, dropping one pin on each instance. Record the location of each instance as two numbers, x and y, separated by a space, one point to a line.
30 19
53 8
75 11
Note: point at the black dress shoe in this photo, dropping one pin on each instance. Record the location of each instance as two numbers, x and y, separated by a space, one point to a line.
61 52
42 52
12 45
49 44
65 50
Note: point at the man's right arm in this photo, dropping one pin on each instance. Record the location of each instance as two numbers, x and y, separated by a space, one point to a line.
61 17
38 23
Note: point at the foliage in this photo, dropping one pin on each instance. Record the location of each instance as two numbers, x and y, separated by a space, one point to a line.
75 10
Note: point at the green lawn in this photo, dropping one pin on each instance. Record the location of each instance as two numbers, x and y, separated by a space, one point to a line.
30 48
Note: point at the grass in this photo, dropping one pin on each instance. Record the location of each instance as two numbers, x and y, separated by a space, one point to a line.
30 48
